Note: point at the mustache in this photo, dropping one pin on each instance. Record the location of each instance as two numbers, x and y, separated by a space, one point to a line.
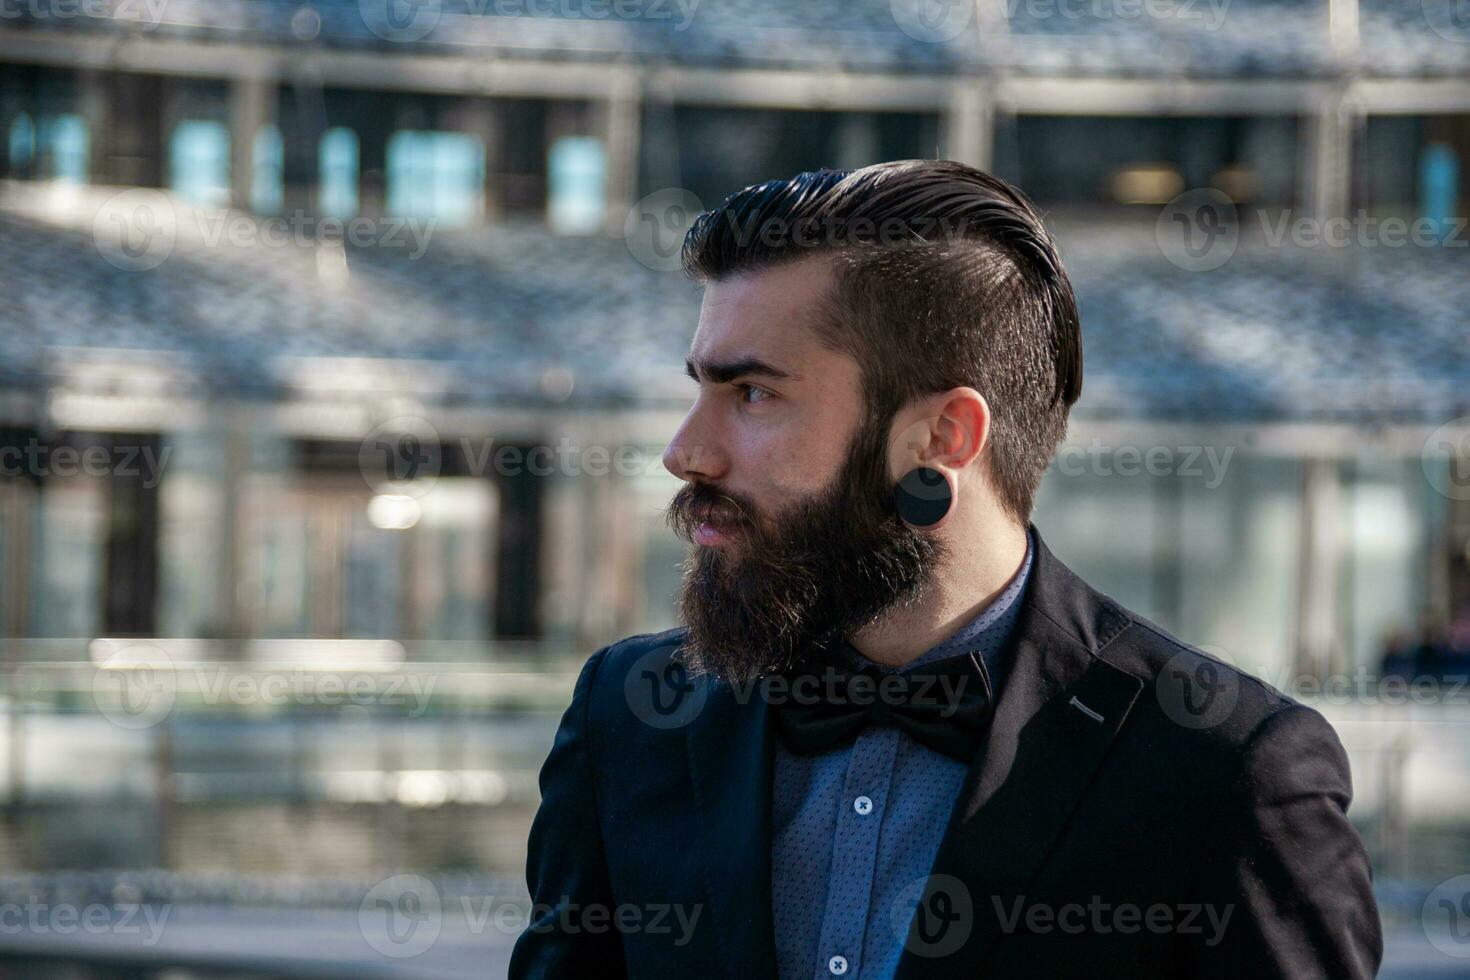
700 503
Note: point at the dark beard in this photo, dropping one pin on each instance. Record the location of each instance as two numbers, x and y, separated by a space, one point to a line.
803 579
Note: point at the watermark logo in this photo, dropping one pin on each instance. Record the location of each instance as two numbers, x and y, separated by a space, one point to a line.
1446 917
662 692
1198 230
1101 917
135 687
1450 19
932 21
401 916
648 11
147 14
38 459
1209 14
933 916
1208 463
655 227
402 455
400 21
1361 229
135 230
37 917
1446 459
1197 692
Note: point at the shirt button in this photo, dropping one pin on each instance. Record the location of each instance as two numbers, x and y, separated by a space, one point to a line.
863 805
837 965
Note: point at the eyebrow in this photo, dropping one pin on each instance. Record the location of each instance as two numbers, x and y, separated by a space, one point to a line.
720 372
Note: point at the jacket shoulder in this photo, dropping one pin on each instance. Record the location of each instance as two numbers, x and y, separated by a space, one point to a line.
637 684
1202 694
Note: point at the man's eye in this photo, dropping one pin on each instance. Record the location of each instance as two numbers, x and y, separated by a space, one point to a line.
751 394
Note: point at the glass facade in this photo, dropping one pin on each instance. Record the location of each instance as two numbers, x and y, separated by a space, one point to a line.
436 176
337 191
577 179
199 162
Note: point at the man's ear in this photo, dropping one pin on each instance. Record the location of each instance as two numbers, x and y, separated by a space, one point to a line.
947 430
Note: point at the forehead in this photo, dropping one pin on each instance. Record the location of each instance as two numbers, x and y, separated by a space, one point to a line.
771 313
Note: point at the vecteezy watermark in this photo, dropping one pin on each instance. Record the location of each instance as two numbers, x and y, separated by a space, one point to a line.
36 917
1361 229
932 21
1446 458
139 686
680 13
1445 917
1197 692
400 20
1450 19
1100 917
1200 692
405 455
627 918
135 687
299 229
1210 14
830 685
1099 459
35 458
662 692
1372 687
147 13
403 916
1200 230
138 229
655 227
933 916
414 20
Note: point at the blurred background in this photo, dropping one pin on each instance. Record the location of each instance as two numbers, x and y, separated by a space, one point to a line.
340 341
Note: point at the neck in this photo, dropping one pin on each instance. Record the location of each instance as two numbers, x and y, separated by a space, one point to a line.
979 568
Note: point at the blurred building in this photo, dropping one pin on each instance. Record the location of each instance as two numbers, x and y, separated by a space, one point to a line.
1251 463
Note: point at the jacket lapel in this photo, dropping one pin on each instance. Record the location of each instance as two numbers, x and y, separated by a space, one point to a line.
731 760
1058 712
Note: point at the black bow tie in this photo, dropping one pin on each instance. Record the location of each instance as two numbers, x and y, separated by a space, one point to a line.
945 706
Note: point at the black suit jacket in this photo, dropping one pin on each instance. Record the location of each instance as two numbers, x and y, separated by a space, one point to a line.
1127 779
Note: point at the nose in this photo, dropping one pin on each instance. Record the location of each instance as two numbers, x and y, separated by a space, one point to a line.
695 452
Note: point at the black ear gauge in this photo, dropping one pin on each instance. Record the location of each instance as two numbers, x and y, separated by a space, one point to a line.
923 497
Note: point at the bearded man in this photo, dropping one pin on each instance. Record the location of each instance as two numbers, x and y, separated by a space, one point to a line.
895 736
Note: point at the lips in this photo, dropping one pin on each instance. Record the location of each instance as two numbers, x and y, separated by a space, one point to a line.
716 515
713 523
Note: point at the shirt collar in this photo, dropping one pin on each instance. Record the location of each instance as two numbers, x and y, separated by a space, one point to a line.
990 628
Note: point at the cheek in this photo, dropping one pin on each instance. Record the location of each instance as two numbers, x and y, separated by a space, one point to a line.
782 465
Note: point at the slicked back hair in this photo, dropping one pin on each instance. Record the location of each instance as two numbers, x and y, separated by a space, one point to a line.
945 277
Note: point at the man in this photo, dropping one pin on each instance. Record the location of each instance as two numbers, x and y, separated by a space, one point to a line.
896 736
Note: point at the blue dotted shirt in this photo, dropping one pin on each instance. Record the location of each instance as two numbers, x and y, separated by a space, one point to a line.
853 829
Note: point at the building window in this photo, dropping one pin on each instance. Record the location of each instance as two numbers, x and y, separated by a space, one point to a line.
199 162
54 147
64 146
267 164
22 148
576 200
1439 185
436 176
337 159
